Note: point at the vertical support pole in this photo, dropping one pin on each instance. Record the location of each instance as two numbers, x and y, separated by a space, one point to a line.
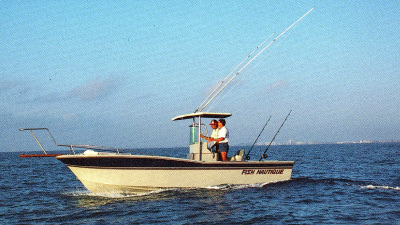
199 140
72 149
38 142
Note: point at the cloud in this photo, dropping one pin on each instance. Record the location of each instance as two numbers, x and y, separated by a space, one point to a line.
21 92
48 98
11 86
277 85
96 89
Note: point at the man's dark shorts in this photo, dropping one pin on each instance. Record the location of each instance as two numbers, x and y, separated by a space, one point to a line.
223 147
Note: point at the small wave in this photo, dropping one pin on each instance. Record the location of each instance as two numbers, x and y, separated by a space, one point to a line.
114 195
77 193
325 180
381 187
346 182
240 186
86 193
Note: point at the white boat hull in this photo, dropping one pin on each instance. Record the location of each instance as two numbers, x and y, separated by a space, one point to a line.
166 172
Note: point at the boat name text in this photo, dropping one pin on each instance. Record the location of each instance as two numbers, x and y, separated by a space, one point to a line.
262 171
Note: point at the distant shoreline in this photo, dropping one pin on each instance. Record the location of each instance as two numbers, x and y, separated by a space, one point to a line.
290 142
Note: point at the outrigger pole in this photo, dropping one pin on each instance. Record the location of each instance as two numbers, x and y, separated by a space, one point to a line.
248 153
222 82
221 87
264 155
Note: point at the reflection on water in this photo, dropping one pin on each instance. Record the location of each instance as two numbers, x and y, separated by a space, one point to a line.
211 195
86 199
196 205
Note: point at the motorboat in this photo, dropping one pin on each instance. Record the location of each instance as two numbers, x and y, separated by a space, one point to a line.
103 171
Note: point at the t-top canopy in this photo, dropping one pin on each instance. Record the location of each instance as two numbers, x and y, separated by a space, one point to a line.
203 115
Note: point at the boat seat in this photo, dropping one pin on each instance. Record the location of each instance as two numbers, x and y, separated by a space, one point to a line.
238 156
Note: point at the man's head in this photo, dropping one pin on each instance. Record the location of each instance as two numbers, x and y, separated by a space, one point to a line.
221 123
214 124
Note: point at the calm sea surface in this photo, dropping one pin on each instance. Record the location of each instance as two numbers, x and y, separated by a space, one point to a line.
331 184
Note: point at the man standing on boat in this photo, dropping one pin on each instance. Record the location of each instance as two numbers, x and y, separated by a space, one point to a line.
223 139
214 135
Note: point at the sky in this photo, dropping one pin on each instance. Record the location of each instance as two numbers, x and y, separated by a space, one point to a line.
116 73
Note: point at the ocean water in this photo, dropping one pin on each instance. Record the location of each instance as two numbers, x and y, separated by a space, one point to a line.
331 184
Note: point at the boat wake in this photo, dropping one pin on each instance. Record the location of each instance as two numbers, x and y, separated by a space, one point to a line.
380 187
240 186
111 195
166 191
344 182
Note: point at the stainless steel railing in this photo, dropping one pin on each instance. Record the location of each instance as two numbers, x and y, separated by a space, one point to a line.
71 146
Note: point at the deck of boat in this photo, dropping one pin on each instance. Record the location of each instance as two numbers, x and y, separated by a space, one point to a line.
146 161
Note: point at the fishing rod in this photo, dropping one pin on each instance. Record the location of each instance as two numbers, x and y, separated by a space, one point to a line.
247 156
264 155
237 73
222 82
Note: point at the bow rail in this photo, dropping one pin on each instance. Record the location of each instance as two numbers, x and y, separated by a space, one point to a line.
71 146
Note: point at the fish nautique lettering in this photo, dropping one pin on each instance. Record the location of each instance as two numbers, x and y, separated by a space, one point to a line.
262 171
248 172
